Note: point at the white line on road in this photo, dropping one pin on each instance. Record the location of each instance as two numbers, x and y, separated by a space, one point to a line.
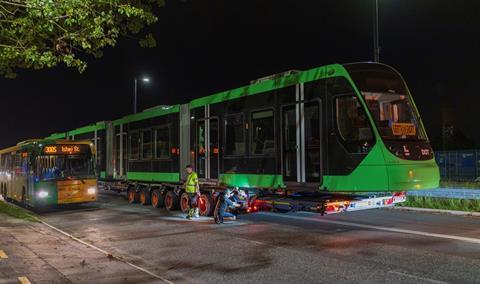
108 254
418 278
380 228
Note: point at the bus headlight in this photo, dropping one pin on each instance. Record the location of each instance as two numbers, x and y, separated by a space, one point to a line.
42 194
92 190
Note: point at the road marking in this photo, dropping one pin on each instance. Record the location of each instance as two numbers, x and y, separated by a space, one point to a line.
108 254
3 254
24 280
418 278
379 228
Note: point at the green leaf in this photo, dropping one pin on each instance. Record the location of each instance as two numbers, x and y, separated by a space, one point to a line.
38 34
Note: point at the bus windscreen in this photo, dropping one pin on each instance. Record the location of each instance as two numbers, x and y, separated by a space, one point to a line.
65 166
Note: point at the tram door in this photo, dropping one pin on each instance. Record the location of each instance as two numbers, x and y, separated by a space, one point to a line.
301 137
207 148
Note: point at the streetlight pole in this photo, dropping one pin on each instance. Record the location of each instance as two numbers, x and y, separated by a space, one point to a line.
145 80
135 98
376 43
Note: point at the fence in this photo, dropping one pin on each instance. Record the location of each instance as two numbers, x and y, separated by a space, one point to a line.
459 165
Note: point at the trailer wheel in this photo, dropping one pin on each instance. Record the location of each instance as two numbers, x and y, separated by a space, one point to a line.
133 196
145 197
206 205
172 201
157 199
185 202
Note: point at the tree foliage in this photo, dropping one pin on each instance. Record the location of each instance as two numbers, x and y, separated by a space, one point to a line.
43 33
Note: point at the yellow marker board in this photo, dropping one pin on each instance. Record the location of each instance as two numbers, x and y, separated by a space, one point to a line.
400 129
24 280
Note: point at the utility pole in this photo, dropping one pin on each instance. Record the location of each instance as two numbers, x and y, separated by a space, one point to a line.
135 98
376 43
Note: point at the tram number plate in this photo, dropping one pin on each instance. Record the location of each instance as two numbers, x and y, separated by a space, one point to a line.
400 129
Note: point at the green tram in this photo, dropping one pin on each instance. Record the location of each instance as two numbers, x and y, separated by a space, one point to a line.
337 128
44 172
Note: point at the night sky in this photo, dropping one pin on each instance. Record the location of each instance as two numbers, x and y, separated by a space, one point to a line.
205 47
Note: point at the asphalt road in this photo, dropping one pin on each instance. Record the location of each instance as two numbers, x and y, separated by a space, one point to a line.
374 246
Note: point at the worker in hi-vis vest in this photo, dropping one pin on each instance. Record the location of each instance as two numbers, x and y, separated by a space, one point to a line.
193 190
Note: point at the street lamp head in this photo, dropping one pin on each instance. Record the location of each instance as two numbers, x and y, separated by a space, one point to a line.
146 79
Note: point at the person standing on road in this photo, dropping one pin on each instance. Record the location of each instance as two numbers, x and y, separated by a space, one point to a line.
222 204
192 188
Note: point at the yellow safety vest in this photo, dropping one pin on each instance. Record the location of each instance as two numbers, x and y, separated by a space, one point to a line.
191 184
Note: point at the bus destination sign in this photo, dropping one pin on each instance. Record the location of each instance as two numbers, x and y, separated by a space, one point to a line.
66 149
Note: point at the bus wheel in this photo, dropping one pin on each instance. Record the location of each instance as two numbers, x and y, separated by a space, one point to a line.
133 196
172 201
185 202
145 197
205 204
157 199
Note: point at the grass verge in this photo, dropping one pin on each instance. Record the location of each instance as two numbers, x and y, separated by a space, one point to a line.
469 205
16 212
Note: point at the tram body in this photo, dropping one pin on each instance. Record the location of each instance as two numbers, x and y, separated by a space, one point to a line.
39 173
338 128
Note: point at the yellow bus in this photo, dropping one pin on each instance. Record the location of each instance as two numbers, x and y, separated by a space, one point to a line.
39 173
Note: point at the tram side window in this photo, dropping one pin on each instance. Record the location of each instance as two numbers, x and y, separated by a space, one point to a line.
262 138
98 148
134 146
147 145
352 124
162 142
235 135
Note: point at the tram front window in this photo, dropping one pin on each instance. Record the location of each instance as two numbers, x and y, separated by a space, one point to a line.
390 105
394 116
65 166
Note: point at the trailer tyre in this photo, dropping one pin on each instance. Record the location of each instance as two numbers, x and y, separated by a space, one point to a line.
157 199
172 201
133 196
206 205
185 202
145 197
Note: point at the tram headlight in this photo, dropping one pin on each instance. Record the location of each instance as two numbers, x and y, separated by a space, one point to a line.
42 194
92 190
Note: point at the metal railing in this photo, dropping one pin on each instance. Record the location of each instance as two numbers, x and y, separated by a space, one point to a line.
462 165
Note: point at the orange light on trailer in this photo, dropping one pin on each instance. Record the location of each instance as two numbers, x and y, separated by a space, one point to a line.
215 151
331 208
388 201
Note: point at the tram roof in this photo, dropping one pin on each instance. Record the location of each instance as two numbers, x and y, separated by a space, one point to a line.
263 85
